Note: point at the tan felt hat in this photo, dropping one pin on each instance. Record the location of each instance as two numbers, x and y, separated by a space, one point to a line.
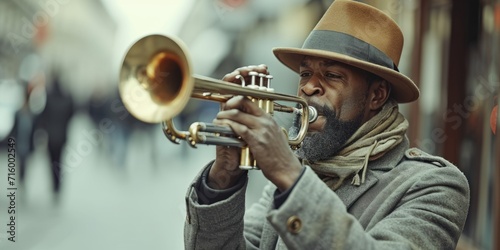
359 35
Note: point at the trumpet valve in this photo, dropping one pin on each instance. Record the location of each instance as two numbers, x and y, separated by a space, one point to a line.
269 78
252 85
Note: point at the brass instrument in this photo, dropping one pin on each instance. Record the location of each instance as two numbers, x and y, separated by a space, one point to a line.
156 83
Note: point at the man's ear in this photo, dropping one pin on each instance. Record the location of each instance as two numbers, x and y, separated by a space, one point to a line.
380 91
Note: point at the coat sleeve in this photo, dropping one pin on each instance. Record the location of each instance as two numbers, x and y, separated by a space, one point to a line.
220 225
255 221
225 224
428 214
214 226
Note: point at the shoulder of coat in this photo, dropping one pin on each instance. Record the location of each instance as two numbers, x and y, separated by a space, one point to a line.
418 155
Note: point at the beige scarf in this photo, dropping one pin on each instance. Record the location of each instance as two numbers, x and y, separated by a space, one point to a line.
371 141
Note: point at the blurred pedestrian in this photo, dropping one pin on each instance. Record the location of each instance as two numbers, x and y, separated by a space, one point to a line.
54 120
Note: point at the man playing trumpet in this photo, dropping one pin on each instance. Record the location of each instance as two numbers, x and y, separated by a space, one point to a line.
354 183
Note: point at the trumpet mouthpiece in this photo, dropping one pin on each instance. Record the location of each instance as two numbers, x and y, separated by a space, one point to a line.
313 114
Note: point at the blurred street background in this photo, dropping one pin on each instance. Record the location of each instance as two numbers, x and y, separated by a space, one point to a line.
91 176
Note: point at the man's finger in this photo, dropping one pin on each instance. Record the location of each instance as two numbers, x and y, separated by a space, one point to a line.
244 104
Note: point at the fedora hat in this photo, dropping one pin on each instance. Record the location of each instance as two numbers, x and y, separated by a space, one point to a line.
361 36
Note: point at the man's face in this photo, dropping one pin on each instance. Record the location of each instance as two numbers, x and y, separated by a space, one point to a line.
339 93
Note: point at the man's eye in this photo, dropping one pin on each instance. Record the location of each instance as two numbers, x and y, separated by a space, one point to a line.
305 74
333 75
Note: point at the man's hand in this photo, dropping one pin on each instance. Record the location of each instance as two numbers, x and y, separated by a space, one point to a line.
225 170
266 140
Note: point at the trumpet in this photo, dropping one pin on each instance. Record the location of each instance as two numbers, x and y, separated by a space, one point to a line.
156 84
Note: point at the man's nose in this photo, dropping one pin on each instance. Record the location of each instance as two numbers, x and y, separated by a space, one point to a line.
312 87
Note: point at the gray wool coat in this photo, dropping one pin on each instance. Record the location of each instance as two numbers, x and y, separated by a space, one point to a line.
410 200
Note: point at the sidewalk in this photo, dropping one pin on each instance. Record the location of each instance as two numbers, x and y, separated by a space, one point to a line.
137 206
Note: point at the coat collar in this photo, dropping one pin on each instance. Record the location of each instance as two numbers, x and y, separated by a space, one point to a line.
349 193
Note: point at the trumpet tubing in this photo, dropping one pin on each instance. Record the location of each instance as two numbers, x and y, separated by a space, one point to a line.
156 83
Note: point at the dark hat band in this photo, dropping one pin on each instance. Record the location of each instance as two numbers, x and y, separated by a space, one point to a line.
348 45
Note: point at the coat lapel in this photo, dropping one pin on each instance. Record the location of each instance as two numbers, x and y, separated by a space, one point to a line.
349 193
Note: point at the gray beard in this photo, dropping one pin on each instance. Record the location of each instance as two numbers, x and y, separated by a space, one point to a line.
322 145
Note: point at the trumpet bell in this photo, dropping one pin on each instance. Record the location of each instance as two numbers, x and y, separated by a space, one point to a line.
155 79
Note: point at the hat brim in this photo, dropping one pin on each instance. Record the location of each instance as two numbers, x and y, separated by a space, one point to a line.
403 90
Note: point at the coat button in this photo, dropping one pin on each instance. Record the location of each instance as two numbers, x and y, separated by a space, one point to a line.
414 153
294 224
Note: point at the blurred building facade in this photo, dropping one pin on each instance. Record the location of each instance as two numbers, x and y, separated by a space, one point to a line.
453 55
